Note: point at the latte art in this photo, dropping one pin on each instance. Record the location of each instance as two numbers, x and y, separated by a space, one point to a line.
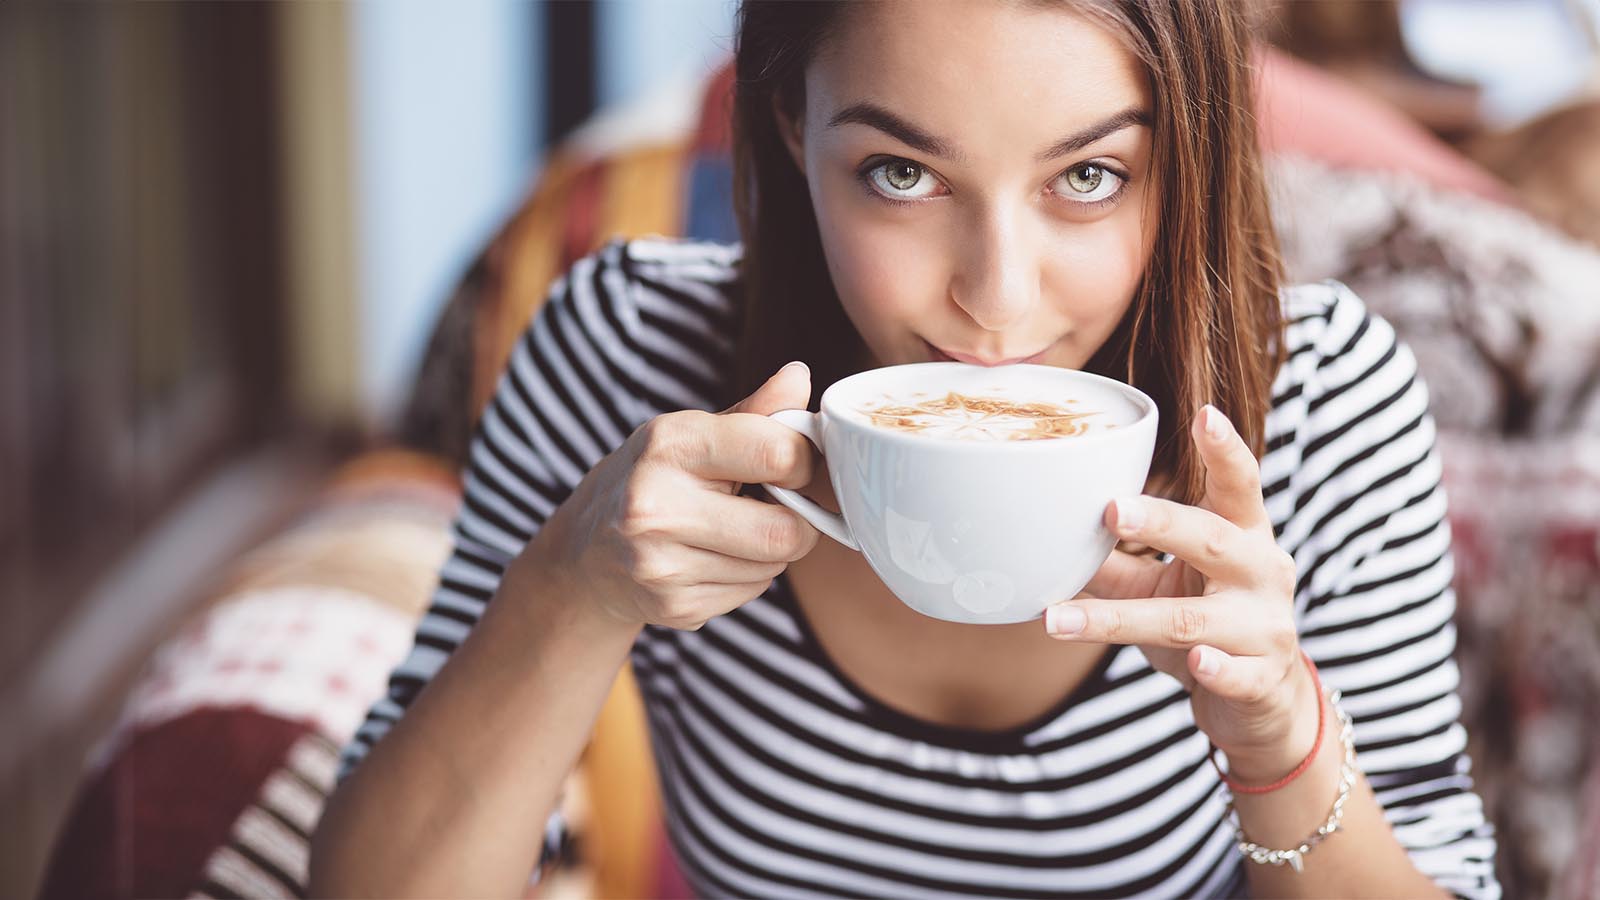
983 418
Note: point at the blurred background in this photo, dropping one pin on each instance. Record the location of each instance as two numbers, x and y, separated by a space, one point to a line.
258 262
226 230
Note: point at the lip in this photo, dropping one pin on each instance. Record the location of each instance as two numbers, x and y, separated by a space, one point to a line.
944 355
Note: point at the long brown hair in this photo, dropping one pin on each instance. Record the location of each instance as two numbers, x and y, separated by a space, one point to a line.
1205 324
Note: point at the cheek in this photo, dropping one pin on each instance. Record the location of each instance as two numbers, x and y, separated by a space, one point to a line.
883 287
1095 272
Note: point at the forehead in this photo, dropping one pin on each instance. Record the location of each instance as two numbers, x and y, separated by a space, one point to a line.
980 74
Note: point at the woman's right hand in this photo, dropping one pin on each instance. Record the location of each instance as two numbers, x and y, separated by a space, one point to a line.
657 533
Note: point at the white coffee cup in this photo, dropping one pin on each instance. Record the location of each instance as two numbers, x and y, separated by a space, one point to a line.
983 532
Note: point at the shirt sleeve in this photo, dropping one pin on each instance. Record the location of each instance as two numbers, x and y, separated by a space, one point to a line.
584 374
1363 513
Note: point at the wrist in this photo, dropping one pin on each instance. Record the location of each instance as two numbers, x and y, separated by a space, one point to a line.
1269 761
549 600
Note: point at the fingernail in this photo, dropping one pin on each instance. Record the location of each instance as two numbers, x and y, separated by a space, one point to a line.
1210 662
797 364
1130 515
1212 420
1064 620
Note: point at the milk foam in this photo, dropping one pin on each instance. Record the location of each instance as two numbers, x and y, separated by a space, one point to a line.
989 413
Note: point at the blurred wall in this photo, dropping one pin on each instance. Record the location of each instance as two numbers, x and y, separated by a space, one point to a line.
446 115
1527 55
644 42
225 228
447 125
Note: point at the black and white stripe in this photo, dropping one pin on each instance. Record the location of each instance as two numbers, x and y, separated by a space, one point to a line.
268 851
783 778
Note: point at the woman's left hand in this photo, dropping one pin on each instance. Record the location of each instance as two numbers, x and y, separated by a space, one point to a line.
1219 618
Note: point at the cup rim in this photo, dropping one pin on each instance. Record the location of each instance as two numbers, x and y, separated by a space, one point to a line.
1148 413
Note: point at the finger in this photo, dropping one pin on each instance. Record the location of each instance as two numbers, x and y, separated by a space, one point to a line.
1171 661
701 603
1177 622
685 566
1233 474
1214 546
1241 678
746 528
736 448
1125 575
788 388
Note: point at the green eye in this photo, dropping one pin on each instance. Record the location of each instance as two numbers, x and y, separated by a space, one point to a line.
901 180
1089 185
902 176
1085 179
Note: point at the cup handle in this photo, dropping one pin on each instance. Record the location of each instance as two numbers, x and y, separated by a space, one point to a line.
829 523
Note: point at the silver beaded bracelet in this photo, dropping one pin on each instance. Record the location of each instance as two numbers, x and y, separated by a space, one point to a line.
1347 780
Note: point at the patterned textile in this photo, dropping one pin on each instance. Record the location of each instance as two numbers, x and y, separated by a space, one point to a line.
267 850
1503 311
1526 515
1503 314
216 771
144 824
304 653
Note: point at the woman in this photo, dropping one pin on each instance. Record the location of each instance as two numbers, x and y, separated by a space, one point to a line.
1075 184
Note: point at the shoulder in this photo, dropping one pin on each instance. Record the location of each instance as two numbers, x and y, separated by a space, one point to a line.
1349 408
653 274
656 316
656 275
1337 351
1328 319
678 259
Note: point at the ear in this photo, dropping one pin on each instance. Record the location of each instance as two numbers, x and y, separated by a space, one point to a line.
791 129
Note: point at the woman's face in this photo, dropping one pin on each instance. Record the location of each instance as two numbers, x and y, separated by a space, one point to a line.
981 178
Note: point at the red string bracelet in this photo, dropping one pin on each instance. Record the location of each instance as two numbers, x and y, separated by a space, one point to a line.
1305 764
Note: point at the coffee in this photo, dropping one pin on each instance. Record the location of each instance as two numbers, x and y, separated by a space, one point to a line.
984 416
991 521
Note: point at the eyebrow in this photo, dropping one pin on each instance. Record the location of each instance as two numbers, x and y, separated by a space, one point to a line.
875 116
1105 128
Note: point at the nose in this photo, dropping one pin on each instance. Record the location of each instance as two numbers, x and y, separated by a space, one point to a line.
996 280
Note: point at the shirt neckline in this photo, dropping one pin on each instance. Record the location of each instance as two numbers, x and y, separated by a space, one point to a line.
881 714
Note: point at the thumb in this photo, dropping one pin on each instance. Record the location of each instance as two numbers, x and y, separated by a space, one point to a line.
789 388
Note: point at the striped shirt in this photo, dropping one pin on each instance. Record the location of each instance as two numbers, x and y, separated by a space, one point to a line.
783 777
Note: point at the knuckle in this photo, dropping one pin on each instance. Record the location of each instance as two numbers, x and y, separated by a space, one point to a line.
780 537
1158 519
1188 624
653 434
650 567
1111 624
806 542
1283 638
681 611
1216 542
777 457
642 512
665 435
1285 571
